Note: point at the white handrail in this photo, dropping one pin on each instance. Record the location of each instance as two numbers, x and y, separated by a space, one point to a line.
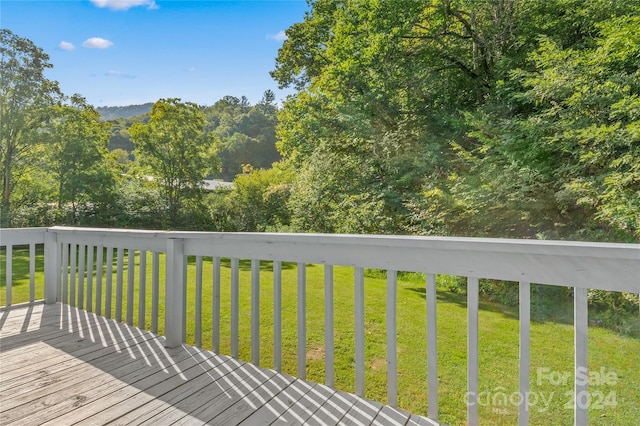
69 255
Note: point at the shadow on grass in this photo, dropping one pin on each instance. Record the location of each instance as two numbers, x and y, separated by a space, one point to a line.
245 264
541 312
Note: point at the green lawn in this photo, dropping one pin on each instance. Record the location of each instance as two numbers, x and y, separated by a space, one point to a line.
552 342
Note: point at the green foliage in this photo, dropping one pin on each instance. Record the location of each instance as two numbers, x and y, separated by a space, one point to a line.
244 134
26 98
79 162
257 202
177 152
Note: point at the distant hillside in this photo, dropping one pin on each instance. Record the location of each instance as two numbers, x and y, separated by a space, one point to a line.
111 113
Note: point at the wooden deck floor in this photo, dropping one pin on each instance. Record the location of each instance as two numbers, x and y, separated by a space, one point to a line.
60 365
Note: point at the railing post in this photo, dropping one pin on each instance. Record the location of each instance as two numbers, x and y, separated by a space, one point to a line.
51 267
175 298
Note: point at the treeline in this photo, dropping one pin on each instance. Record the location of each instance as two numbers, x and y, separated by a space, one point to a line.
478 118
62 164
498 118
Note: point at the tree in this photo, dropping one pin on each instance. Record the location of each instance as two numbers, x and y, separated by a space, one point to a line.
177 152
79 158
26 97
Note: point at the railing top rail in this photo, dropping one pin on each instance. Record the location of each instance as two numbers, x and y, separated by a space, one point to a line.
608 266
18 236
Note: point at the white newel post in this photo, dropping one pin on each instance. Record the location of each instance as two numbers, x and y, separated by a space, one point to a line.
51 267
175 297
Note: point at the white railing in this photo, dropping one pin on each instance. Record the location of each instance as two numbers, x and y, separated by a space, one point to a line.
79 260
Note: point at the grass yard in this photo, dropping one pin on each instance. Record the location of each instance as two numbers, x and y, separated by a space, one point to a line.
616 402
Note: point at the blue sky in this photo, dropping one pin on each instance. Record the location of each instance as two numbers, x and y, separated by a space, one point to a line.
121 52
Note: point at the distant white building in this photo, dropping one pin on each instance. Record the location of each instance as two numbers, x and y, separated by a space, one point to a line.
212 185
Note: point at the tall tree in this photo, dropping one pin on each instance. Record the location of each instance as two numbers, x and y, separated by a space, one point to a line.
79 158
25 100
177 152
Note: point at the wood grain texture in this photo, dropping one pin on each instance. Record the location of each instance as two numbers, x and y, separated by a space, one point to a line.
63 365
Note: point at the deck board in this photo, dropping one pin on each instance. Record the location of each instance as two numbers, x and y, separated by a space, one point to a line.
62 365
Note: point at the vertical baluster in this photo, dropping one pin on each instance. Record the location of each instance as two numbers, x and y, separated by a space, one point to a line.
525 354
215 309
234 307
581 328
392 357
99 264
32 272
89 305
255 311
185 265
329 376
472 350
119 282
277 315
131 266
142 290
198 331
109 283
302 321
359 325
155 290
65 273
72 274
432 348
81 281
8 274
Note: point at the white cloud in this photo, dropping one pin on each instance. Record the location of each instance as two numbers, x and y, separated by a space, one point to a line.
125 4
97 43
191 69
281 36
65 45
121 74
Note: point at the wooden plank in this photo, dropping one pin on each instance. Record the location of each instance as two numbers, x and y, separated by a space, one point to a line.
361 413
169 391
432 347
334 407
186 398
271 412
284 408
242 381
255 387
389 416
126 385
359 329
